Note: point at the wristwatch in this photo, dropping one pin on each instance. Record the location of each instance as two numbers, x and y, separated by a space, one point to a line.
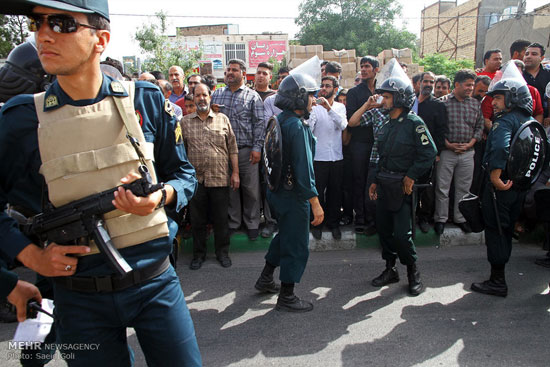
163 199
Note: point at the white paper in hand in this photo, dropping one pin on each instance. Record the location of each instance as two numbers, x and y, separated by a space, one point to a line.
35 330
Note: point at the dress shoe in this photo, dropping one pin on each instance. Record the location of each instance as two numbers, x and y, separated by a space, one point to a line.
465 227
544 261
253 234
439 228
267 231
232 231
336 233
317 233
388 276
424 226
495 286
196 263
224 260
359 229
415 285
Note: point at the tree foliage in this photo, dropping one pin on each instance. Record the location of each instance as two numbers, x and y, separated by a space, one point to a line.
363 25
13 32
163 52
440 64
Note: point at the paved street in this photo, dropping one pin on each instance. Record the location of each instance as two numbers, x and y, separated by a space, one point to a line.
355 324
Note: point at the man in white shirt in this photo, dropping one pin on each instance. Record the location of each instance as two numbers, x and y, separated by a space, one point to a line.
327 121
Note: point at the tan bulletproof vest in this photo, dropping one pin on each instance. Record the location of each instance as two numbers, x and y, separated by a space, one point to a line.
84 151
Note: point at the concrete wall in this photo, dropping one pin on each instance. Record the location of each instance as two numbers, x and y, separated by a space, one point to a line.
531 28
486 8
458 31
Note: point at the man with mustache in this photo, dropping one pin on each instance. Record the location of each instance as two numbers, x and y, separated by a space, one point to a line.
176 75
245 110
211 145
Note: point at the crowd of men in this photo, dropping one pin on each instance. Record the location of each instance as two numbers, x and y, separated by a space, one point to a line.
352 156
457 114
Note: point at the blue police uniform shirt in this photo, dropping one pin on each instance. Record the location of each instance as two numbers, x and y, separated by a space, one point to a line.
298 151
500 137
21 184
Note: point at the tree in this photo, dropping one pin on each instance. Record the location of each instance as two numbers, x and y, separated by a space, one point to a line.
363 25
162 51
13 32
440 64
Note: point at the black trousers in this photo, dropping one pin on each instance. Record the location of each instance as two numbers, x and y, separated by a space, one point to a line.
362 205
509 203
328 181
347 184
213 203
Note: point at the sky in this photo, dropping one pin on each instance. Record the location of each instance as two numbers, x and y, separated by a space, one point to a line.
245 13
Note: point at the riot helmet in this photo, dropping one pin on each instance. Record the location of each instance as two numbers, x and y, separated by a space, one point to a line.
398 84
22 73
514 89
293 93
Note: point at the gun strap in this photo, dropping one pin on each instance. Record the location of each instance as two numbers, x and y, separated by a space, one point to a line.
131 131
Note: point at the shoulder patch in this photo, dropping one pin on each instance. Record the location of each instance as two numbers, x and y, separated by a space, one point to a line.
495 125
179 134
139 117
424 139
51 101
168 108
420 129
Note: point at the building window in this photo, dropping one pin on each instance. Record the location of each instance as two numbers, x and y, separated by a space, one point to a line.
235 51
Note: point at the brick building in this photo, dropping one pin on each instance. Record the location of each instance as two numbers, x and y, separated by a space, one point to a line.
458 31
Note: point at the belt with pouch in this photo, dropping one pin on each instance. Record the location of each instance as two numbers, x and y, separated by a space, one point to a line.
113 283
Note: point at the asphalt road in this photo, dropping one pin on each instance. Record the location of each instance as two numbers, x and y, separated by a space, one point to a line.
355 324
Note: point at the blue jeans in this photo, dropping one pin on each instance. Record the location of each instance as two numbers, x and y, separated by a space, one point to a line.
156 309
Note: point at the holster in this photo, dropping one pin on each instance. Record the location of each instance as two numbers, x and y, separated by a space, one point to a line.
391 185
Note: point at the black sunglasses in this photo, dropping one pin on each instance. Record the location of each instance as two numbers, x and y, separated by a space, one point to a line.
59 23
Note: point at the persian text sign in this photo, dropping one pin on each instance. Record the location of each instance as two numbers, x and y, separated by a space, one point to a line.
261 51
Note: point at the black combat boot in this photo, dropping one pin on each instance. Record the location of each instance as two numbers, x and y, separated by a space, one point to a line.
288 301
265 282
389 275
495 286
415 285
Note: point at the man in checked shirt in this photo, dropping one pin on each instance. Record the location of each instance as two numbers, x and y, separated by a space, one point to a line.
210 145
465 126
245 110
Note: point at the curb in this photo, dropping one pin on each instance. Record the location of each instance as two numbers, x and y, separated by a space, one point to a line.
453 236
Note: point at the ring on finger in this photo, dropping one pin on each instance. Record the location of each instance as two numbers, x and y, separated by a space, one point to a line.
68 268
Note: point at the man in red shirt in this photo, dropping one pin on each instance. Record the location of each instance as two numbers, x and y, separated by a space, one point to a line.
538 111
492 60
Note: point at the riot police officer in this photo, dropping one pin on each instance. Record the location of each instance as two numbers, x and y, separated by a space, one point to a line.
501 203
23 72
407 152
291 200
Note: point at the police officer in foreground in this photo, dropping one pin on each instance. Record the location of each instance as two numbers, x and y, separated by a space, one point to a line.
407 152
291 195
513 106
72 141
